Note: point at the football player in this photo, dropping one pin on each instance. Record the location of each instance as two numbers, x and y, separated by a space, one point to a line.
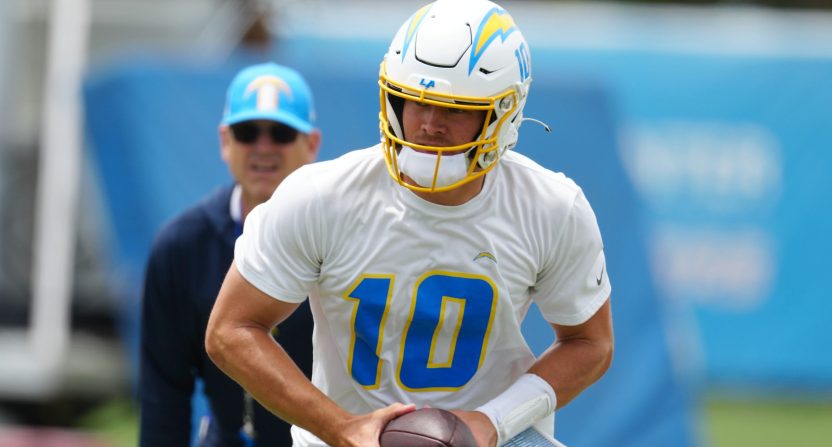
421 256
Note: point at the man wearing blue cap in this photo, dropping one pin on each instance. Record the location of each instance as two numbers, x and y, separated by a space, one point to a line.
267 132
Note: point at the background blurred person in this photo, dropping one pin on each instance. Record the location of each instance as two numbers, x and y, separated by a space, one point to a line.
267 132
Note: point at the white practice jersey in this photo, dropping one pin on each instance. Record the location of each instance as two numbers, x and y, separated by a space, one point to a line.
416 302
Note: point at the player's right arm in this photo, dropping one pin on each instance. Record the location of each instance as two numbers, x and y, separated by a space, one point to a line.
238 340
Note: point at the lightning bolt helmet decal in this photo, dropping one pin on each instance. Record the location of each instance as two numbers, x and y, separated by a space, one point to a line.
496 23
415 21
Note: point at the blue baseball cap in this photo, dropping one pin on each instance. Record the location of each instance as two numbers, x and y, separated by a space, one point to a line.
270 92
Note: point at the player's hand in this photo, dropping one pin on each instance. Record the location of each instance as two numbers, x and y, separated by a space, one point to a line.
364 430
482 428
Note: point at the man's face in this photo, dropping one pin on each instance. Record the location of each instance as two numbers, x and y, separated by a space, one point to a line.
440 126
261 153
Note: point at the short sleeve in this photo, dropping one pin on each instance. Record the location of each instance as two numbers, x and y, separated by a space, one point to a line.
573 283
279 251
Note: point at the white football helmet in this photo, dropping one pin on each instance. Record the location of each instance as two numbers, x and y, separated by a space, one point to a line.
465 54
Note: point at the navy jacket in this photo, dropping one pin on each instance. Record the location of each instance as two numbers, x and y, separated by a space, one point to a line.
187 264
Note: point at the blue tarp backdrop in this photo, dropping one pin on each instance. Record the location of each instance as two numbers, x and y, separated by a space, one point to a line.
730 155
152 125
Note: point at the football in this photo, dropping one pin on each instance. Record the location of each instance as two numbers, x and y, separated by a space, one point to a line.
427 427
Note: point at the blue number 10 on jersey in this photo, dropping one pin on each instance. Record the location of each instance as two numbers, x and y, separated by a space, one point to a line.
444 341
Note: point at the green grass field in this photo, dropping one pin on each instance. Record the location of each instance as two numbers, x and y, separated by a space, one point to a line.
116 422
727 423
770 423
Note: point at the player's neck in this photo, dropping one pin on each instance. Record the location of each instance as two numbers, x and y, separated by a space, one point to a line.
453 197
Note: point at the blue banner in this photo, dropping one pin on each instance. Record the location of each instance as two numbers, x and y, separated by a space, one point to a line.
730 156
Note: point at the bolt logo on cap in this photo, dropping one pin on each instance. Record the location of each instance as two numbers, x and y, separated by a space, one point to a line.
268 90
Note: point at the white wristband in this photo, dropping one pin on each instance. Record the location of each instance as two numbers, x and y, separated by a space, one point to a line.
525 402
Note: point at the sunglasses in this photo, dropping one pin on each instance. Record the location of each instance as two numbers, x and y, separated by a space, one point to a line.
248 132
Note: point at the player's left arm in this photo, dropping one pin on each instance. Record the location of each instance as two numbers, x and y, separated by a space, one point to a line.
582 352
580 355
